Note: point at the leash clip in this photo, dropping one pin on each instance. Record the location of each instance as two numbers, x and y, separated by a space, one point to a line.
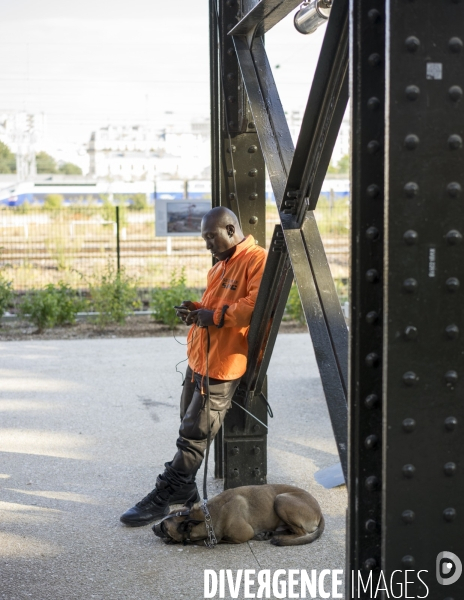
211 540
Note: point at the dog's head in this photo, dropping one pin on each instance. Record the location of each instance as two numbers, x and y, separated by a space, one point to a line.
182 526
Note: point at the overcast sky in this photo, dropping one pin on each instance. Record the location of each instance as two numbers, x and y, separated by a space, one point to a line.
90 63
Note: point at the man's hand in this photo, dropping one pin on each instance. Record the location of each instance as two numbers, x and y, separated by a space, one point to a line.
202 317
184 315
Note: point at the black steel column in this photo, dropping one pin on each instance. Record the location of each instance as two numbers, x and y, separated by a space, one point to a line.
423 357
238 182
367 82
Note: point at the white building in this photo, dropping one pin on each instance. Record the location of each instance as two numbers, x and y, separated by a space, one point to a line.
134 153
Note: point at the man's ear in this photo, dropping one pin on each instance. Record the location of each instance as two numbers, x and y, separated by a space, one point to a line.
230 230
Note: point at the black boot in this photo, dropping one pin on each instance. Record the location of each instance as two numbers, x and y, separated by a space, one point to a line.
153 507
185 493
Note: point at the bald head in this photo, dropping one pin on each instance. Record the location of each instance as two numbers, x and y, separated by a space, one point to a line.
221 231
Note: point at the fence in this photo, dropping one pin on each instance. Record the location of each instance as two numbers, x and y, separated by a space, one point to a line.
74 244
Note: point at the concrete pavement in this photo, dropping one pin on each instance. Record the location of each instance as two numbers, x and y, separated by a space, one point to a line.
86 425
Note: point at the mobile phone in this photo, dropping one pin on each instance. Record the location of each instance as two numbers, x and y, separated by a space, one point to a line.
183 309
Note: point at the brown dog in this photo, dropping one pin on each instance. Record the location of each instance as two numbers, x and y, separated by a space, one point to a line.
252 512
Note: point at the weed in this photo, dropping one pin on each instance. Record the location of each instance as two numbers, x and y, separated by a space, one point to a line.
50 306
114 296
164 299
6 295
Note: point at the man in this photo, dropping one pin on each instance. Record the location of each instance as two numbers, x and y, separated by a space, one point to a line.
217 360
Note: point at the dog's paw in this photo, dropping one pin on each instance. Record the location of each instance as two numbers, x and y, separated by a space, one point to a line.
263 536
276 541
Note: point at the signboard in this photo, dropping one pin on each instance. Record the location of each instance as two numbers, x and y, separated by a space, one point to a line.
179 217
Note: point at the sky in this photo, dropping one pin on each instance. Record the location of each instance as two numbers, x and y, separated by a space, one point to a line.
91 63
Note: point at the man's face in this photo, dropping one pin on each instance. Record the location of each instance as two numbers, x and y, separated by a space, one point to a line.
219 240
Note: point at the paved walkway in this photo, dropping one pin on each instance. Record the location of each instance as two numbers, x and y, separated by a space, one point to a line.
86 425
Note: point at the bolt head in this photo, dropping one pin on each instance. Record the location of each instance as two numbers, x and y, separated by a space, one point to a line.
455 141
408 516
410 237
373 103
412 92
455 93
409 425
373 191
449 514
412 43
411 189
449 469
409 471
452 331
371 401
452 283
451 423
411 141
410 285
454 189
411 332
455 45
410 378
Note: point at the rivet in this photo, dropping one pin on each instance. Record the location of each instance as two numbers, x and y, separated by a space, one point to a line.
235 429
231 196
412 92
372 234
455 92
235 473
409 425
453 237
233 148
408 516
409 471
455 44
372 275
449 469
235 450
253 196
371 401
231 99
451 377
230 76
231 172
410 285
411 189
412 43
252 172
410 237
372 317
230 2
373 191
253 220
455 141
408 561
452 331
454 189
230 26
374 59
410 378
373 103
370 525
372 359
411 332
371 483
451 423
251 125
255 427
452 283
373 147
230 51
374 15
411 141
252 149
256 450
370 564
232 124
449 514
371 441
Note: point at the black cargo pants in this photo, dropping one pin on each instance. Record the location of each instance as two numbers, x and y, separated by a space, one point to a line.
193 432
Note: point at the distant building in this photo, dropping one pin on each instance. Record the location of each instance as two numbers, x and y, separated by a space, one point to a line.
138 152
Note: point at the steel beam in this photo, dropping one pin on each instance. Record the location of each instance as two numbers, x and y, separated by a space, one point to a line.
238 182
303 240
367 83
262 17
423 354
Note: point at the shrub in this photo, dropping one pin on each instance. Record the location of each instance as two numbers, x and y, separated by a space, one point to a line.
138 202
164 299
50 306
53 202
6 295
114 296
293 309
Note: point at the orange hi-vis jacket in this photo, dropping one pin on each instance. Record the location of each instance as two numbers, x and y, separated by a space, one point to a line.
233 283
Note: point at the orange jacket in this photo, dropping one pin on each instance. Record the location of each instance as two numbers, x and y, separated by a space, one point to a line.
235 283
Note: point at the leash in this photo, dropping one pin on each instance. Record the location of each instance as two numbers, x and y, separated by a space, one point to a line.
211 540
